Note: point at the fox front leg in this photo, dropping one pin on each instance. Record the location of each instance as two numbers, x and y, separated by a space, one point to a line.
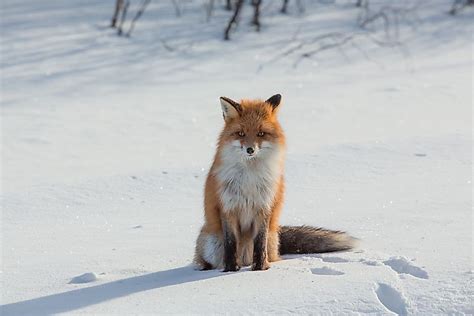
230 250
260 256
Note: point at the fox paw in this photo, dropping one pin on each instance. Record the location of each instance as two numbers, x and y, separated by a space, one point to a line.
231 268
260 267
205 266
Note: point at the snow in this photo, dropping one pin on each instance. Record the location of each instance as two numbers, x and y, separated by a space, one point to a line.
106 142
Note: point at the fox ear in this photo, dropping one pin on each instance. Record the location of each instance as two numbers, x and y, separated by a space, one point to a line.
274 101
230 108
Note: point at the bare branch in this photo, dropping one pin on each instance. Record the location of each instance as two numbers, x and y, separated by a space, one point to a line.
339 43
310 48
284 8
458 5
123 17
166 46
300 6
209 10
304 44
256 15
233 20
228 5
335 44
377 16
177 8
390 17
118 9
138 15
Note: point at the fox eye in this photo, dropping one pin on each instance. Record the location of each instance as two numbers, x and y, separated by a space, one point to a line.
260 134
241 134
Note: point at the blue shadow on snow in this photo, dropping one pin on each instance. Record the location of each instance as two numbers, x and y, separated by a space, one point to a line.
80 298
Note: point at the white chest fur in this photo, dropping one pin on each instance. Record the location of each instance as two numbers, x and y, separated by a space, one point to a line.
248 186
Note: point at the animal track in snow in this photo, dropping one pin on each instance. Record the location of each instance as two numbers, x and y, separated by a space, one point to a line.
370 262
84 278
392 299
403 265
326 271
332 259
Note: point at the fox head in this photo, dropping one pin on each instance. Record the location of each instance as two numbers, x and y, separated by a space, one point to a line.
251 128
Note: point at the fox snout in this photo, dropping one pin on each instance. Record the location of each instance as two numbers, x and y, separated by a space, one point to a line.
248 150
251 151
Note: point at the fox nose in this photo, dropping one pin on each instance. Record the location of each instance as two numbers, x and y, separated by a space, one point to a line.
250 150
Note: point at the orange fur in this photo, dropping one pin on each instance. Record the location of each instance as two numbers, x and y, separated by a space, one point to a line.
264 172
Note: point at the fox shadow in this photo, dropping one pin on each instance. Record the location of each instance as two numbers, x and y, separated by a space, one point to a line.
80 298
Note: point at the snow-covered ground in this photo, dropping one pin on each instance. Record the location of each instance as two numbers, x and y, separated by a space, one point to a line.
106 142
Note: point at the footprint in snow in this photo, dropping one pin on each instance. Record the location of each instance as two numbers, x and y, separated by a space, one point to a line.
84 278
332 259
403 265
370 262
326 271
391 298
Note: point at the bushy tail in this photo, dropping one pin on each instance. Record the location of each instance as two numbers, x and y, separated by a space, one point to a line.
308 239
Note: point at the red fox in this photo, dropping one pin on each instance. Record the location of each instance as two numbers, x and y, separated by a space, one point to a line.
244 195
